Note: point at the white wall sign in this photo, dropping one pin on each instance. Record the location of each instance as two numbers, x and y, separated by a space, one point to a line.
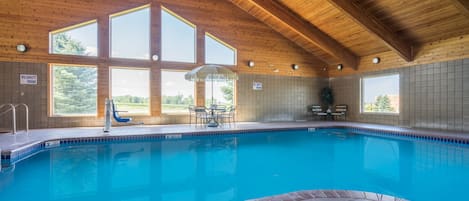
28 79
257 85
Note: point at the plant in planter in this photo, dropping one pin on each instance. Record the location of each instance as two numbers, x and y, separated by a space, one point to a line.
327 97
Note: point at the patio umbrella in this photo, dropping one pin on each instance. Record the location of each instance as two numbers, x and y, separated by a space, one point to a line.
211 72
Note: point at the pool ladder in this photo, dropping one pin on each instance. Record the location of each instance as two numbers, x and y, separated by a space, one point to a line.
13 108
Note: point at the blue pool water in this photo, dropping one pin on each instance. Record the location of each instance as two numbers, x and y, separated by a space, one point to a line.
239 167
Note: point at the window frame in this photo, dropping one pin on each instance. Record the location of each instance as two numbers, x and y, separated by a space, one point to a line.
164 9
235 62
149 88
50 110
93 21
149 31
161 84
362 93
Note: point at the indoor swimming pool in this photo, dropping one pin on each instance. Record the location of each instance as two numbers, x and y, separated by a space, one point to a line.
241 166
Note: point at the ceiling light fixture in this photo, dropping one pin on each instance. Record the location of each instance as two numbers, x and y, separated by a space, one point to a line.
340 67
21 48
250 64
376 60
295 66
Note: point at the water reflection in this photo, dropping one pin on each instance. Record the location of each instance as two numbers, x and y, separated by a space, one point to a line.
74 172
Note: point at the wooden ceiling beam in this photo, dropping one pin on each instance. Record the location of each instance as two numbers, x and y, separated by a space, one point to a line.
305 29
374 26
463 6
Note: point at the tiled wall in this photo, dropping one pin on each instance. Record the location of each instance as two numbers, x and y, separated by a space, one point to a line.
282 98
432 96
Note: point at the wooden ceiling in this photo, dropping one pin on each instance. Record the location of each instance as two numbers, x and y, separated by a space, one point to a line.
341 31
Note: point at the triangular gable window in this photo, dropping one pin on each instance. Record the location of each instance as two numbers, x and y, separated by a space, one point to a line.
177 38
80 39
218 52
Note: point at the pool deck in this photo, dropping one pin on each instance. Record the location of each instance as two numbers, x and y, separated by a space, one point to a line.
9 142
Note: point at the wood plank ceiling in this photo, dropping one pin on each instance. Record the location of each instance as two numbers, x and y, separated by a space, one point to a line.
341 31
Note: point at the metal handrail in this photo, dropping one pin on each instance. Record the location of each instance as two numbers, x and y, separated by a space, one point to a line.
6 111
13 114
26 109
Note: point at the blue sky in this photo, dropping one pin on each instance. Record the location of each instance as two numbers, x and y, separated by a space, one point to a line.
217 53
375 86
173 83
130 35
134 82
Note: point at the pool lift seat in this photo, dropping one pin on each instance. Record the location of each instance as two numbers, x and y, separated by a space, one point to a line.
117 117
110 107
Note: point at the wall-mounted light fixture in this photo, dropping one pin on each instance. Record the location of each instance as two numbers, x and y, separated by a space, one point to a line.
376 60
295 66
155 57
250 64
340 67
21 48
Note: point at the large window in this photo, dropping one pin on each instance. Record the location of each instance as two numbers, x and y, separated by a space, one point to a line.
218 52
177 38
81 39
130 90
223 93
380 94
177 93
73 90
130 34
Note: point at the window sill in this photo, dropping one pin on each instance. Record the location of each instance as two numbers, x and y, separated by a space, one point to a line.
175 113
380 113
73 115
133 115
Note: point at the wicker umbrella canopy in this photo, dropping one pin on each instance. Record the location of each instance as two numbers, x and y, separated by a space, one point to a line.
210 72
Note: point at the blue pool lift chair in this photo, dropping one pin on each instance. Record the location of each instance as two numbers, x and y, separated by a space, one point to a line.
117 117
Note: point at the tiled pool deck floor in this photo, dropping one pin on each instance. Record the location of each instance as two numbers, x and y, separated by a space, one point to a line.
22 141
9 142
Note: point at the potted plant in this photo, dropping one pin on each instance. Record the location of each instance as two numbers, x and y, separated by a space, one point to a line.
327 98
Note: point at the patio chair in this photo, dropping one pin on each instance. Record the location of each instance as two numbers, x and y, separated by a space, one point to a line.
340 111
218 110
191 113
317 111
201 115
228 116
